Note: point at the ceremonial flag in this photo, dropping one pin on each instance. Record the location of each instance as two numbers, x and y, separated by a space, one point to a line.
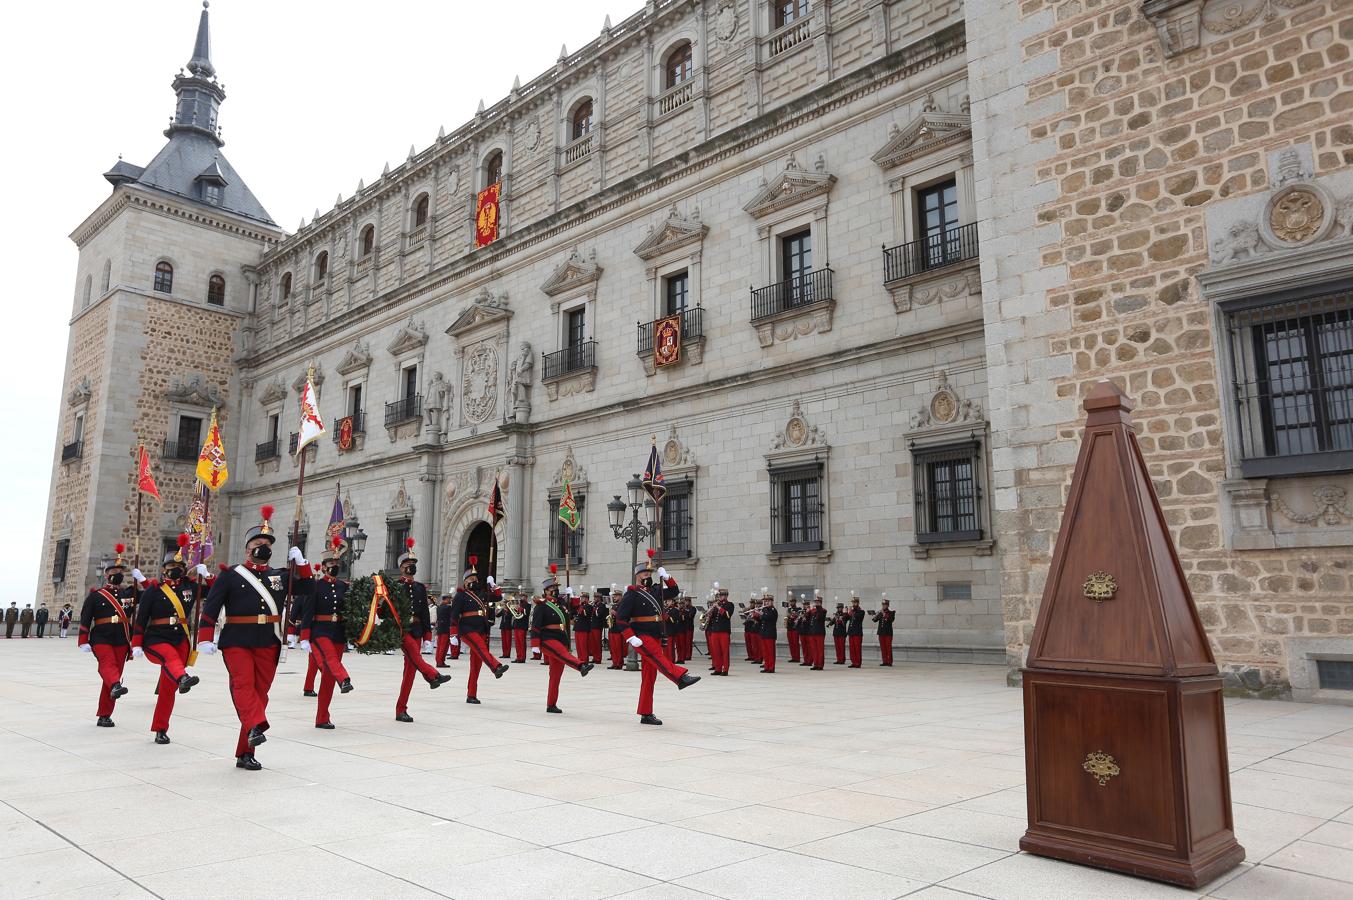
211 462
200 546
667 341
654 482
568 508
496 511
145 482
486 215
312 429
336 533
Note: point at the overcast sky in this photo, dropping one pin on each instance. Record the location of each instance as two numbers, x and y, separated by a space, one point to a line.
318 95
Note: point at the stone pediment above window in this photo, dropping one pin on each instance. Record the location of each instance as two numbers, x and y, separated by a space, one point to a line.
677 459
299 384
193 391
573 273
946 410
931 131
275 392
676 232
355 360
80 394
792 186
568 470
486 309
412 336
798 440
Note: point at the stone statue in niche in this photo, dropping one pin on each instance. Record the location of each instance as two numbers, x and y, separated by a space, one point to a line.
519 385
439 401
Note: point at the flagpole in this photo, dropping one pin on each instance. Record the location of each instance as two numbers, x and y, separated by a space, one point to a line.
194 621
493 527
136 548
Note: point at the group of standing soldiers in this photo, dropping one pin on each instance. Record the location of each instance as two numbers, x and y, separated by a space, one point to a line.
806 631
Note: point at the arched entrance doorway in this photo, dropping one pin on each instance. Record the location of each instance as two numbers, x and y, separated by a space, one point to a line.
480 544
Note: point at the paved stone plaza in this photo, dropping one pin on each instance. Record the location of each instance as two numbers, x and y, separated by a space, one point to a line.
846 784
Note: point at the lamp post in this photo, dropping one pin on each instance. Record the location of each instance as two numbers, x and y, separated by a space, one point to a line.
633 532
356 539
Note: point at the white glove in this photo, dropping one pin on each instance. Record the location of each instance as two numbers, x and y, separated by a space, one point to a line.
305 645
291 640
137 653
535 651
294 554
137 576
86 648
201 571
492 583
427 646
455 641
568 592
206 647
662 572
634 642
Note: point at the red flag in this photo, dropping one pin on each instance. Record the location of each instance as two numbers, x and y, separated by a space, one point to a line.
486 215
496 511
145 482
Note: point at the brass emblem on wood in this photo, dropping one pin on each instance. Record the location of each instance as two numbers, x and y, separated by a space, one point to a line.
1099 586
1101 766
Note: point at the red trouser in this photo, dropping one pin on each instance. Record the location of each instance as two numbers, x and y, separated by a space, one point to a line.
583 641
506 635
519 642
443 643
251 673
328 655
753 651
794 645
617 649
455 648
311 670
413 663
856 646
652 661
479 656
689 645
111 658
594 645
718 650
556 654
819 650
886 648
840 642
170 659
768 653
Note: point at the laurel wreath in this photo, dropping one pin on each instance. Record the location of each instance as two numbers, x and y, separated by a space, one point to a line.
387 635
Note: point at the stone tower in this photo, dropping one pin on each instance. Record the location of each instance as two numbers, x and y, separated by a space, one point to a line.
163 286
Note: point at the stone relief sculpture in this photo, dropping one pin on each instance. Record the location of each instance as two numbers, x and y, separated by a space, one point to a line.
519 385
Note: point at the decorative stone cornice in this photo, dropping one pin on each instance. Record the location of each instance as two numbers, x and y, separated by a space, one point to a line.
675 232
945 408
486 309
796 322
1178 23
931 131
573 273
299 384
193 391
273 394
79 395
794 185
569 469
412 336
355 360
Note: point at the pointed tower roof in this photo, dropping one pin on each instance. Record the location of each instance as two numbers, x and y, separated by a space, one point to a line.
200 64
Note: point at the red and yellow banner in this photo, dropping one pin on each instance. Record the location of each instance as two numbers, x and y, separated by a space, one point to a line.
211 462
379 594
145 482
486 215
667 341
345 433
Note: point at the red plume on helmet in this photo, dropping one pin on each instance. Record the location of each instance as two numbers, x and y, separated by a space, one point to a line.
337 542
266 511
474 561
554 568
183 540
650 552
119 549
408 542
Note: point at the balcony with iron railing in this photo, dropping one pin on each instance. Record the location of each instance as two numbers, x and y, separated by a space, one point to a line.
571 360
792 294
934 251
692 329
405 410
181 451
266 451
73 450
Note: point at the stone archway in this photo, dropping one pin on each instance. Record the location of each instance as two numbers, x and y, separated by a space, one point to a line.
455 537
480 544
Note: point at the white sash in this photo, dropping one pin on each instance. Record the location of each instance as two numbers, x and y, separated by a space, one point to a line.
266 596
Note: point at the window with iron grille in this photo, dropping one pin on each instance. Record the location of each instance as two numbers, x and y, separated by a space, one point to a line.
59 559
396 533
1292 379
796 509
190 434
678 523
565 541
1334 674
948 493
956 590
216 290
164 278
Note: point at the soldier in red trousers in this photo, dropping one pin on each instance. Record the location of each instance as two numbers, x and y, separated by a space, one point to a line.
249 603
614 636
106 632
444 633
323 634
417 636
767 631
640 618
470 618
840 622
792 637
813 630
582 624
161 634
549 630
885 618
718 630
855 631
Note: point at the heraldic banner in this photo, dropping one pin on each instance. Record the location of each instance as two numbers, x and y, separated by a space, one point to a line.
486 215
667 341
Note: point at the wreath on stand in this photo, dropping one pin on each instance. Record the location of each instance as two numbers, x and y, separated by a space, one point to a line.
375 607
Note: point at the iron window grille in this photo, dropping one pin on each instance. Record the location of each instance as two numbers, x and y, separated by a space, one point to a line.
934 251
678 525
73 450
266 451
396 533
692 328
948 493
565 541
571 359
178 450
792 293
796 508
405 410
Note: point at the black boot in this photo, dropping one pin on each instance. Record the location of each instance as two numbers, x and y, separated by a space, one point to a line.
553 709
247 761
500 671
309 694
327 726
345 685
584 669
104 722
437 682
649 719
255 736
403 717
186 682
474 700
686 681
117 690
161 737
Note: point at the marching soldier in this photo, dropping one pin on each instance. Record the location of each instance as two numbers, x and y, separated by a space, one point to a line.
417 637
792 613
311 665
323 635
813 634
549 629
767 633
521 626
161 633
249 603
582 626
855 631
105 631
840 622
470 618
640 618
885 618
444 632
718 625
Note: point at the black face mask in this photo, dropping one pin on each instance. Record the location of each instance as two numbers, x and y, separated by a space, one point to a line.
115 579
261 553
331 571
646 581
408 571
174 574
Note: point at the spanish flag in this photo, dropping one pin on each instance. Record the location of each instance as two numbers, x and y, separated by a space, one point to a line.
211 462
486 215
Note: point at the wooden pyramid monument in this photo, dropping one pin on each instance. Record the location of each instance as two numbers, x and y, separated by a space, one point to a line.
1124 735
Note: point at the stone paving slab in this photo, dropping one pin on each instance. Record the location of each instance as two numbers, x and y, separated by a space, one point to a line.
862 784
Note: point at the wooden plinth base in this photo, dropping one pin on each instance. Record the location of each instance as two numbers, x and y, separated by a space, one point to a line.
1196 872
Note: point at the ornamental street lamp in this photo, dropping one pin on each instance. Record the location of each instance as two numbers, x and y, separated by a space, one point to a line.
356 539
634 532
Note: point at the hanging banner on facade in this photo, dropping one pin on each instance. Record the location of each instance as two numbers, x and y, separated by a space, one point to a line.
667 341
345 433
486 215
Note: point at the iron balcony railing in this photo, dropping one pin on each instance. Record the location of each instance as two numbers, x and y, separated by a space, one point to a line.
692 328
266 451
73 450
292 442
180 450
801 290
403 410
933 251
571 359
358 425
